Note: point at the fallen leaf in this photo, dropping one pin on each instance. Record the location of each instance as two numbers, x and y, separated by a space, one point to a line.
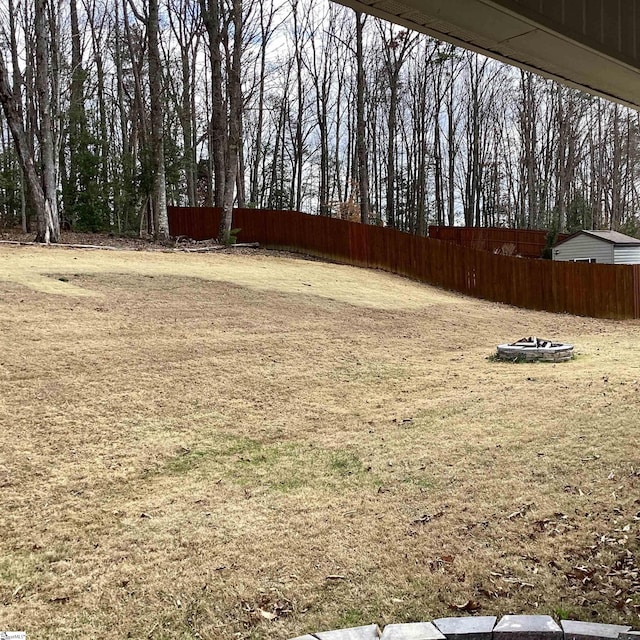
422 519
427 517
469 605
267 615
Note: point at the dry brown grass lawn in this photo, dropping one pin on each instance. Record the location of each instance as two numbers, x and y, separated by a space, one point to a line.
216 446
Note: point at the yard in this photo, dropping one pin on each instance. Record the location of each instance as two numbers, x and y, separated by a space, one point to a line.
255 445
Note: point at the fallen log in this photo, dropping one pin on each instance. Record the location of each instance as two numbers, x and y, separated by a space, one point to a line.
220 247
63 245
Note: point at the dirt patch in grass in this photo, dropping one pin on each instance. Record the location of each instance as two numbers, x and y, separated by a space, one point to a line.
209 445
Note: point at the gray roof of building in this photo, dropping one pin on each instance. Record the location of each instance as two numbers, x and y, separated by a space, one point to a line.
612 237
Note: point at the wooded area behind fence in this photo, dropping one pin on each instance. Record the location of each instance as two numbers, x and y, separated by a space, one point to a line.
596 290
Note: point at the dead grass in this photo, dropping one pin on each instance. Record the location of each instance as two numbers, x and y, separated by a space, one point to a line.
191 445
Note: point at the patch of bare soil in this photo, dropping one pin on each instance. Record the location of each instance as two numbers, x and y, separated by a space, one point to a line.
220 445
96 239
71 239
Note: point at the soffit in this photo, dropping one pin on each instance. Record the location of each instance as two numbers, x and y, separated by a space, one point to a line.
593 45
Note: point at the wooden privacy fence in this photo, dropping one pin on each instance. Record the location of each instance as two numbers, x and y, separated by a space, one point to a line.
596 290
527 243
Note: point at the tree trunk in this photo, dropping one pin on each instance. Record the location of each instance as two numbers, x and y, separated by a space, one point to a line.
361 127
104 137
159 197
300 101
140 125
451 150
184 36
255 190
11 110
211 17
616 171
235 118
17 85
47 216
122 203
391 150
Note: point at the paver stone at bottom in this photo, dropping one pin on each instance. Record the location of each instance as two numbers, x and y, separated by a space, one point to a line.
576 630
467 627
411 631
527 628
370 632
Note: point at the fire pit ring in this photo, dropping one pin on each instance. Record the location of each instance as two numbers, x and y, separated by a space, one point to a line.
534 349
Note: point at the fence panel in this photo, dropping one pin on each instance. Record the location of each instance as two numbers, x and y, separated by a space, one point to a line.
605 291
634 290
527 243
198 223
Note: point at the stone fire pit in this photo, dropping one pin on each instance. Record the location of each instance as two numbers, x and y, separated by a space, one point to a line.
532 349
510 627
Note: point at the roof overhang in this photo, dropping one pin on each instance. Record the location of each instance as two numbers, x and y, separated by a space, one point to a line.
632 242
593 45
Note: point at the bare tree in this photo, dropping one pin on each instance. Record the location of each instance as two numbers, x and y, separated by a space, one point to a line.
361 127
48 217
528 124
12 111
185 26
267 14
160 219
216 31
396 49
234 91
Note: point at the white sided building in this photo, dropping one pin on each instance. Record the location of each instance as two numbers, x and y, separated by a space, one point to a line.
602 247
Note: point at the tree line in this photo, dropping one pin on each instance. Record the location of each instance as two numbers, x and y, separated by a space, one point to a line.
113 109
